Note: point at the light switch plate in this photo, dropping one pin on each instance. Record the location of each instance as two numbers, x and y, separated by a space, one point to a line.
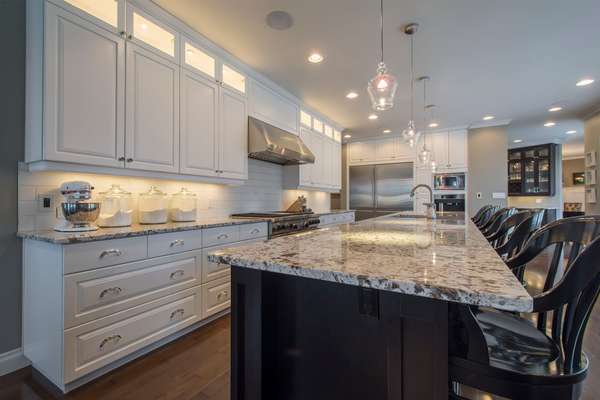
498 195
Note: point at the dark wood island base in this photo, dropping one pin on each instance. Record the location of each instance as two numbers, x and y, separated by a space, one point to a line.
298 338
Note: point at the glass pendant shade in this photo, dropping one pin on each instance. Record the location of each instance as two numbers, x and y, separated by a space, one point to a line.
410 133
424 156
433 165
382 89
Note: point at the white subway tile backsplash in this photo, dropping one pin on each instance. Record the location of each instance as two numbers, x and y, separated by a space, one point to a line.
263 191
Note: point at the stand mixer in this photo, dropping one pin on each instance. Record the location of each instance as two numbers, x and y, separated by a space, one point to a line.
79 212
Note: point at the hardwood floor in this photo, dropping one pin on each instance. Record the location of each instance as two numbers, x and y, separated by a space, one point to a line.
196 367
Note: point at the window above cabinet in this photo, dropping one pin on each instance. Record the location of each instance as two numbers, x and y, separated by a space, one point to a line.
317 125
305 119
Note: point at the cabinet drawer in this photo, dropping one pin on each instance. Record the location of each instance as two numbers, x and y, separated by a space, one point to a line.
221 235
94 294
216 296
212 270
92 346
176 242
254 231
85 256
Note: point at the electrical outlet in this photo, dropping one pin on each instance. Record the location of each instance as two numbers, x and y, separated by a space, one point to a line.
479 195
45 202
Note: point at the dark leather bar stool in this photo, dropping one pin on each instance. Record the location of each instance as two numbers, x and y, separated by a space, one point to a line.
507 227
520 235
507 355
486 216
479 213
496 220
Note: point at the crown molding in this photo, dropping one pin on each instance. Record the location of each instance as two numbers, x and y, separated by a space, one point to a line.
489 124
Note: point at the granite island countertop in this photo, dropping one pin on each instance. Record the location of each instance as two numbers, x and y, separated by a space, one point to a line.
446 259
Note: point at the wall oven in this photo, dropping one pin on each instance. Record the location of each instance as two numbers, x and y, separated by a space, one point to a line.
449 181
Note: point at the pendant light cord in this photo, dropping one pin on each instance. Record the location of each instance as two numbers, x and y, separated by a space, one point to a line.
381 24
412 78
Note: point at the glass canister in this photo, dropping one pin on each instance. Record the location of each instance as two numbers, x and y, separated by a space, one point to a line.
153 207
116 208
183 206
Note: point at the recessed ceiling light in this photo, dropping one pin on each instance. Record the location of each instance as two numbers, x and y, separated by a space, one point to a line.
387 131
549 124
315 58
571 132
346 136
488 118
585 82
352 95
555 109
433 125
373 116
518 140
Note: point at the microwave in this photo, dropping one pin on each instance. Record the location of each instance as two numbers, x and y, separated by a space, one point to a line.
451 181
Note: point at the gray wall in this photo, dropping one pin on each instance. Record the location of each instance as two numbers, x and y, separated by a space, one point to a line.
12 124
592 143
487 152
569 167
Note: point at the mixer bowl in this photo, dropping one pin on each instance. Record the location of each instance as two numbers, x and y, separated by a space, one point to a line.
80 213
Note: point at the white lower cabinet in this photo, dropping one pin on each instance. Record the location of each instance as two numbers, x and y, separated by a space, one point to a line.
89 307
336 218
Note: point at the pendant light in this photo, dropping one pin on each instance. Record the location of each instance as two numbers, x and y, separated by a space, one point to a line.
410 134
382 88
424 155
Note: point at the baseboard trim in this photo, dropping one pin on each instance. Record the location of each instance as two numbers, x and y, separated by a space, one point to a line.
12 360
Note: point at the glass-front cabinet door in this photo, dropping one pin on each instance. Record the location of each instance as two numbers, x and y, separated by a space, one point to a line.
148 32
531 171
109 14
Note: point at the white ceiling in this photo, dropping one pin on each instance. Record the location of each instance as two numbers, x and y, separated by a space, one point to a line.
509 58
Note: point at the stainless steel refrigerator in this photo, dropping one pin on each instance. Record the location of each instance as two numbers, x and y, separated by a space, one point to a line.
376 190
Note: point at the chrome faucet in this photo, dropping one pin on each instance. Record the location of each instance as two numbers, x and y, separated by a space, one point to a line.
430 206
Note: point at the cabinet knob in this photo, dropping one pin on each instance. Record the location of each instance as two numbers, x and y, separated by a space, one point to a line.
129 37
122 33
222 294
121 158
222 236
179 311
129 160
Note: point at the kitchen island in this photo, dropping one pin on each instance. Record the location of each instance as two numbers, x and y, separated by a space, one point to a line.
360 310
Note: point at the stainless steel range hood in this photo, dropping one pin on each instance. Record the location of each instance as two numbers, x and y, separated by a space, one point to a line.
269 143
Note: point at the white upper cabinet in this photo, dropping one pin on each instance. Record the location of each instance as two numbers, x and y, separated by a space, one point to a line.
152 137
305 170
360 152
387 149
146 31
84 90
457 149
198 124
233 135
273 108
438 144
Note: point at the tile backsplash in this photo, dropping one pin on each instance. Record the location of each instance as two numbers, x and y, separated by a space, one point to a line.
263 191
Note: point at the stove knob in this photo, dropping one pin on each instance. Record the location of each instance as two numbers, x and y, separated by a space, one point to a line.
294 226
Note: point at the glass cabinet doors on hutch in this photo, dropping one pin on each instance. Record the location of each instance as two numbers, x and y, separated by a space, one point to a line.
531 170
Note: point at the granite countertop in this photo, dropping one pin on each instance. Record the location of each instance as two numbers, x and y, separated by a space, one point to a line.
55 237
447 259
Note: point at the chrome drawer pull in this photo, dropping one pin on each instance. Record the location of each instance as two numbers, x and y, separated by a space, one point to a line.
177 274
113 338
177 242
255 230
222 294
179 311
113 291
111 252
222 236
